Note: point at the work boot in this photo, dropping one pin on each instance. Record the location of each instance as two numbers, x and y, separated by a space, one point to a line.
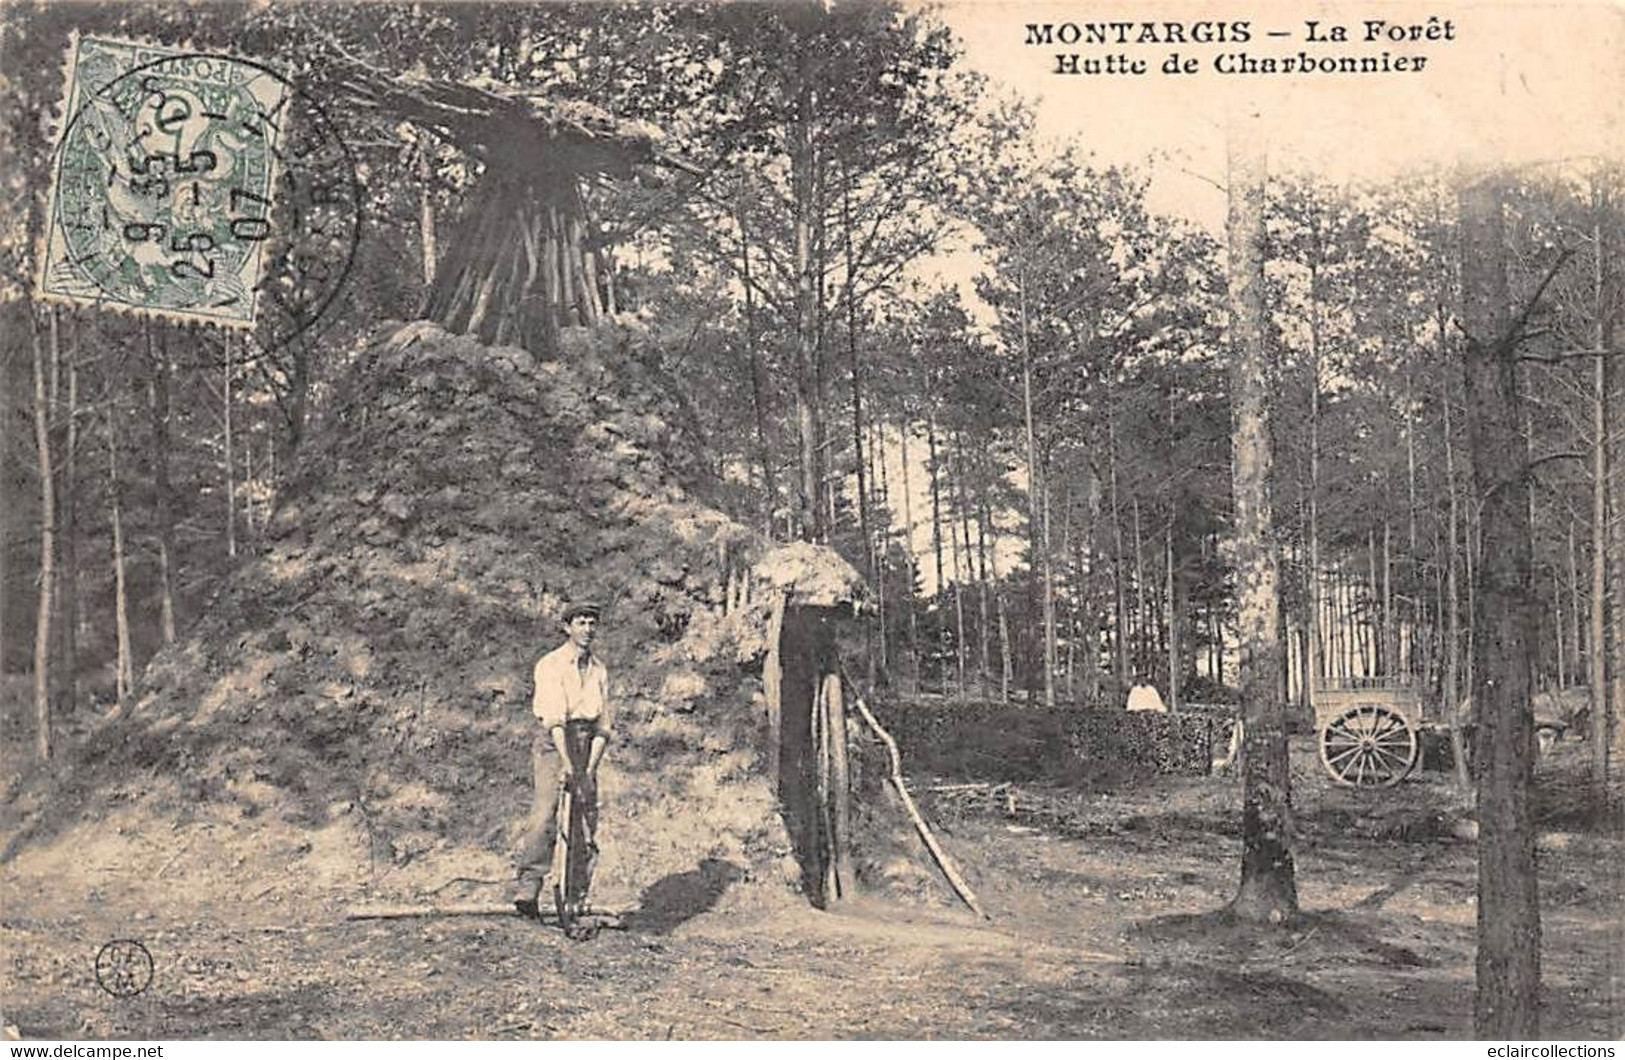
524 900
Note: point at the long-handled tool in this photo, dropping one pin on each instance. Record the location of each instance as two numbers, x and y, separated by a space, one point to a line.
574 853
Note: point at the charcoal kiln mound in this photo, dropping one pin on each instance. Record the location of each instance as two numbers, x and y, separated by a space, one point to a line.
352 713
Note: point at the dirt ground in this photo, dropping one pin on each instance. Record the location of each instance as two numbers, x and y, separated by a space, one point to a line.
1102 925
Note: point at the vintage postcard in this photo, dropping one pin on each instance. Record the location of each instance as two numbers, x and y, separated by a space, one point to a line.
1005 521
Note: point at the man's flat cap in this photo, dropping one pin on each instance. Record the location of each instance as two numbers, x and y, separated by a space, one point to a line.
584 608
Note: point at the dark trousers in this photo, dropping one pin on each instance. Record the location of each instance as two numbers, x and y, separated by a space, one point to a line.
535 856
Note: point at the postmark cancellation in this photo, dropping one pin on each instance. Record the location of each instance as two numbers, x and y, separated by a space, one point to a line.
162 182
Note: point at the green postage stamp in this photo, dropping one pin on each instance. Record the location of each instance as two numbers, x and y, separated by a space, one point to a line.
162 183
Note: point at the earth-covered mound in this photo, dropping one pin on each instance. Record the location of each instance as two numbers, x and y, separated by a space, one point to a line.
353 710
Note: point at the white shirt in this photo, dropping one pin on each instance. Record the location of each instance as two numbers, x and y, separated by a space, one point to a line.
567 692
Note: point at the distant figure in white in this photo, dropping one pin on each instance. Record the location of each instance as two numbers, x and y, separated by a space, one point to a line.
1145 697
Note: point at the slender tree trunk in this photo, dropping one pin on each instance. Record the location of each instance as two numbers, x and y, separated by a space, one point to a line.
1268 891
763 455
808 405
1006 661
1390 663
856 371
1037 530
1471 554
231 469
1173 621
908 550
1557 627
1142 670
1087 554
1050 644
606 267
1314 645
1068 618
68 581
883 533
984 631
1452 601
1577 641
1412 563
935 475
961 561
248 482
1597 654
426 220
1120 596
164 505
882 552
1615 376
1372 639
1007 656
1508 1000
125 668
47 569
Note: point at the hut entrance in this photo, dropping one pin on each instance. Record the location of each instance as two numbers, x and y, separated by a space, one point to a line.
807 713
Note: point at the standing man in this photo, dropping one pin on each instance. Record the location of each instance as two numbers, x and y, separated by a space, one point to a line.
573 713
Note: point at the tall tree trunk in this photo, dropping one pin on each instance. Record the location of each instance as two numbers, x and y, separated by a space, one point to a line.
1390 653
1372 640
47 569
1050 642
1577 640
1508 1000
1119 594
1412 562
763 455
1471 554
1037 530
934 472
984 631
1557 627
1069 618
1268 891
882 550
856 373
231 469
908 550
1173 620
125 660
1087 554
164 506
1006 661
1597 654
1452 601
68 579
1142 670
808 404
961 560
606 268
426 221
1314 646
248 482
883 532
1615 376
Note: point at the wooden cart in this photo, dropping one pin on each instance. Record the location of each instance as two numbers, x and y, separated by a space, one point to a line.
1368 729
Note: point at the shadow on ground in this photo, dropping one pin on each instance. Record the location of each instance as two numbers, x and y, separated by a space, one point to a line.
674 899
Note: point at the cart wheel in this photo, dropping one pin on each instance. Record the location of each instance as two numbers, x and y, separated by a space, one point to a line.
1368 747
